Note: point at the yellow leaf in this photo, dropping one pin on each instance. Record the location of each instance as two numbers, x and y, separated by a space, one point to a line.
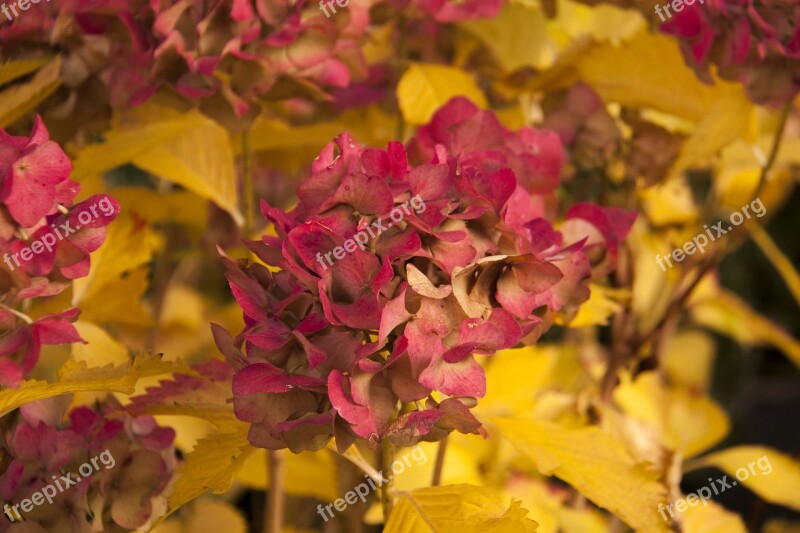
627 75
552 511
686 422
11 70
424 88
189 149
129 244
603 303
307 474
101 350
211 465
520 380
517 37
75 376
781 263
711 518
273 134
128 310
689 359
670 202
601 22
596 464
731 117
19 99
773 475
457 508
206 516
180 207
720 310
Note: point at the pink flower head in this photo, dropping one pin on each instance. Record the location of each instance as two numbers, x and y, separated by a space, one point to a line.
391 277
131 462
35 175
756 42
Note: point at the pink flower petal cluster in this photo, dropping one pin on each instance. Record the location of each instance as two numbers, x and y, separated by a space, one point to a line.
334 348
36 203
118 495
756 42
453 11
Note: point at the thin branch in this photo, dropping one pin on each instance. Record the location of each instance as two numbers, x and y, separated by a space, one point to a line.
276 497
439 465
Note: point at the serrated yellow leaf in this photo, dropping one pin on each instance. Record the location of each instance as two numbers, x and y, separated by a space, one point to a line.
127 310
17 100
211 465
457 509
75 376
11 70
424 88
595 463
771 474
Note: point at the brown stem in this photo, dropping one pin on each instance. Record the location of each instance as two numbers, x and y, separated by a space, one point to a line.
247 171
439 465
273 522
387 457
776 146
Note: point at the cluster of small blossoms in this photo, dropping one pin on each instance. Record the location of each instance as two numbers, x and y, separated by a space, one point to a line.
221 55
36 201
336 351
121 497
756 42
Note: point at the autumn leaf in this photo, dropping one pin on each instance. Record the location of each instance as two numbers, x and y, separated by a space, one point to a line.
463 508
18 100
76 376
773 475
595 463
424 88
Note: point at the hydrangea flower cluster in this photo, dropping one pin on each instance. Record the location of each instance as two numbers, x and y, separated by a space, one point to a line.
334 350
120 495
36 205
222 55
756 42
